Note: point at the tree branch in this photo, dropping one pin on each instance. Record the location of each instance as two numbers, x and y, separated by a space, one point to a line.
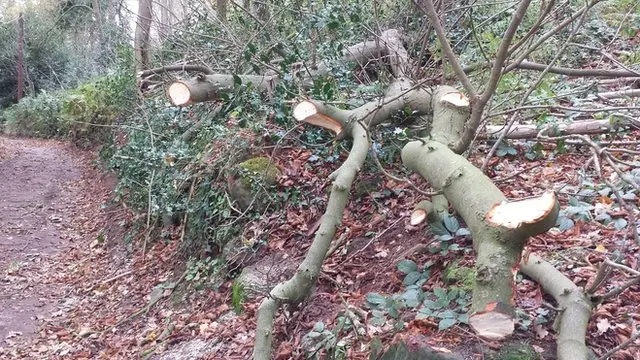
431 13
184 67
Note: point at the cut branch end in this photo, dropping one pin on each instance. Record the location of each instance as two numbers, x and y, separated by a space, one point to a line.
515 214
308 112
420 212
456 99
493 324
418 216
179 94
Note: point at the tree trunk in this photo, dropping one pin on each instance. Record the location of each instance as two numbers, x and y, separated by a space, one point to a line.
97 13
21 67
141 41
221 10
164 27
261 9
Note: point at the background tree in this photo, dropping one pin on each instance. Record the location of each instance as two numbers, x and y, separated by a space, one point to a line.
142 36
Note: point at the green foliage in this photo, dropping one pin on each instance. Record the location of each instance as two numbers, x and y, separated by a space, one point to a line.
326 343
517 352
448 305
582 204
447 230
37 116
237 297
93 107
83 114
200 272
505 149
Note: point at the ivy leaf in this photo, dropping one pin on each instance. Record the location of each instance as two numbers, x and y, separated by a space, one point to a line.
424 313
564 223
454 247
440 293
463 232
411 297
451 223
407 266
319 327
629 196
236 80
573 201
376 321
605 191
439 228
446 323
376 299
619 223
412 278
432 305
603 218
446 237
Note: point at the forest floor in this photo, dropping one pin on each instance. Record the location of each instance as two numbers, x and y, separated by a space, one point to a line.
77 285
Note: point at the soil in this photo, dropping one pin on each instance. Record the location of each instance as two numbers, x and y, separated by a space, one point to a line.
36 203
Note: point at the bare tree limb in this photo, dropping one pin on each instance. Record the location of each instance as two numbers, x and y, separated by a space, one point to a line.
431 13
185 67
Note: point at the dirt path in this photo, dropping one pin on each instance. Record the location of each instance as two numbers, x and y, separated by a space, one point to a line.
36 205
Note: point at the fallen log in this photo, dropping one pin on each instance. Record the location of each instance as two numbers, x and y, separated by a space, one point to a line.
531 131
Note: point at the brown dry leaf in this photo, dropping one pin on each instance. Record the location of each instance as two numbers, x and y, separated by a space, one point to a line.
541 332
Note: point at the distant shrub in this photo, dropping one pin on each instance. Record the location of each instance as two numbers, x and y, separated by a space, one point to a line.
84 114
92 108
37 116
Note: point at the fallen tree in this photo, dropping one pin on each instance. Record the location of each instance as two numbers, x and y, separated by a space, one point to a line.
207 86
500 228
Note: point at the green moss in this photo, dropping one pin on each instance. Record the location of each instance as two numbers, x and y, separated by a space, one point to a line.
463 275
237 297
261 167
517 352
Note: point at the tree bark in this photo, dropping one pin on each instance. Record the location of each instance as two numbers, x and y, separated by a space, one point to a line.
164 25
221 10
142 34
20 65
97 13
531 131
261 9
573 319
209 87
498 246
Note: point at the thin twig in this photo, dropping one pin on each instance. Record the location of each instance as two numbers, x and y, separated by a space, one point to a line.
624 345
